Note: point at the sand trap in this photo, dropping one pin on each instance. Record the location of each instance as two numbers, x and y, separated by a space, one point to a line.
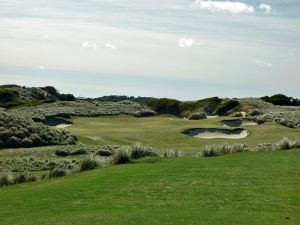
211 117
238 122
210 133
61 126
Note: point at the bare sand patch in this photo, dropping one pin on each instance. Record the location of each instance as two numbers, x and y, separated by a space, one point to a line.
211 117
211 133
61 126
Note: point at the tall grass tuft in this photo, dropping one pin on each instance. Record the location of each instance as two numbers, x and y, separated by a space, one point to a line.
24 178
217 150
122 156
5 179
57 172
140 151
284 144
172 153
88 164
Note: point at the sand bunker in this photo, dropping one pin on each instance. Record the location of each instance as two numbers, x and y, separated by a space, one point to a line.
56 122
238 122
210 133
211 117
60 126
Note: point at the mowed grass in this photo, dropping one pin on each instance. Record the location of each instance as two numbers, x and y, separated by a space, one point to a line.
164 132
242 188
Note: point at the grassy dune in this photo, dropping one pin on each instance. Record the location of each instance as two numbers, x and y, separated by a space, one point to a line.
243 188
164 132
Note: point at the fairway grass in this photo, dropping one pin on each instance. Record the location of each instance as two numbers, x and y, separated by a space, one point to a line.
242 188
165 132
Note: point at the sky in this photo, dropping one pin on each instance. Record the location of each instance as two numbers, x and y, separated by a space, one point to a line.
184 49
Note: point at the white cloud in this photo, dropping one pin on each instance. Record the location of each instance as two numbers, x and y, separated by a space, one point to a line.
227 7
89 45
42 67
265 7
107 45
264 64
186 43
45 36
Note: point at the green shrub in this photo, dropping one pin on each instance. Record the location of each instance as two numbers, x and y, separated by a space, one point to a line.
280 99
88 164
66 97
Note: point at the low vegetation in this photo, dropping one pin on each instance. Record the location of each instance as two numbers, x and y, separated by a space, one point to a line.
14 95
280 99
226 107
67 160
217 150
18 132
82 108
89 158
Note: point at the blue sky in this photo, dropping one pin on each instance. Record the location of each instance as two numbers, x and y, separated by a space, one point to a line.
185 49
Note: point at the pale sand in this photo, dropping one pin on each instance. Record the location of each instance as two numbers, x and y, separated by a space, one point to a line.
211 117
211 133
61 126
244 114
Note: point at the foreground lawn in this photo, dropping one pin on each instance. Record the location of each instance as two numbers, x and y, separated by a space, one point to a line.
242 188
164 132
